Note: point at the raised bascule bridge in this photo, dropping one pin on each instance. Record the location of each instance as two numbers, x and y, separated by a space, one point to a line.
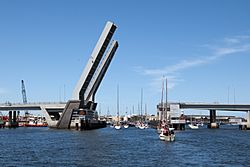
80 111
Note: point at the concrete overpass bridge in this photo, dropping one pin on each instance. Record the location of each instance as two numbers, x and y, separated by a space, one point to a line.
174 109
213 107
80 109
52 111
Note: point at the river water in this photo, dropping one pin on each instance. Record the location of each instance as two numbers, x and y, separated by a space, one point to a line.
226 146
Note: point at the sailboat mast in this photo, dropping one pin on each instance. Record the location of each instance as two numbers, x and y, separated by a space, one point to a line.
141 100
118 102
108 112
138 109
162 92
167 118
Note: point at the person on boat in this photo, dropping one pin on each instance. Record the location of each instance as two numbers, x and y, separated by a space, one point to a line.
164 124
165 131
171 132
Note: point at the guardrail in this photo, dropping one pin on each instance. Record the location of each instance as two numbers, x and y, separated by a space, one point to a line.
33 103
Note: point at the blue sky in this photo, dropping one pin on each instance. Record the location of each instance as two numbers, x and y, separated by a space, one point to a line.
203 48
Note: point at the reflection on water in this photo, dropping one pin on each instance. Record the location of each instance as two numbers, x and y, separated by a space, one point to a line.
226 146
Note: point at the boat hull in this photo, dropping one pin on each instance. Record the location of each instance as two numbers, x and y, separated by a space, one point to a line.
31 125
169 138
93 125
125 126
193 126
141 127
117 127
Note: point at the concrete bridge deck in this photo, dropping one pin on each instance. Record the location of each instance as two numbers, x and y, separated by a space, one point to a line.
31 106
216 106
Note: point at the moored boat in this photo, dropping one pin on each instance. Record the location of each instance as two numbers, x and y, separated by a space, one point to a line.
126 126
141 125
193 126
117 126
36 124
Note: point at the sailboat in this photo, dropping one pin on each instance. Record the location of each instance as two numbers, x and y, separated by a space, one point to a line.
161 108
166 132
146 122
141 125
192 125
142 121
118 125
126 126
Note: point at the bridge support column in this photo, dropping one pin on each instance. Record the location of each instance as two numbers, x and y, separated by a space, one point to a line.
10 118
213 123
50 122
248 119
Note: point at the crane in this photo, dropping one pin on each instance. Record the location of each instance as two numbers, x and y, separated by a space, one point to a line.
24 97
24 93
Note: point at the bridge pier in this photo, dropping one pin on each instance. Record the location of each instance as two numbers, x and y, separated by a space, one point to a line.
248 120
246 125
213 124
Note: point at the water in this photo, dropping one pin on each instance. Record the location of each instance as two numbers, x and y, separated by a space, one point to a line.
226 146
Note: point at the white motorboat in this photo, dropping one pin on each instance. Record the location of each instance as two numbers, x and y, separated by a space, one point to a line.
192 126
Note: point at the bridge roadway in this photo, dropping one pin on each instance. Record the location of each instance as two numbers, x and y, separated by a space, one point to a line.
51 111
32 106
216 106
221 107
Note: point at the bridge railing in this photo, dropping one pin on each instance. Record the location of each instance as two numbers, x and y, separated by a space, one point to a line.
31 103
